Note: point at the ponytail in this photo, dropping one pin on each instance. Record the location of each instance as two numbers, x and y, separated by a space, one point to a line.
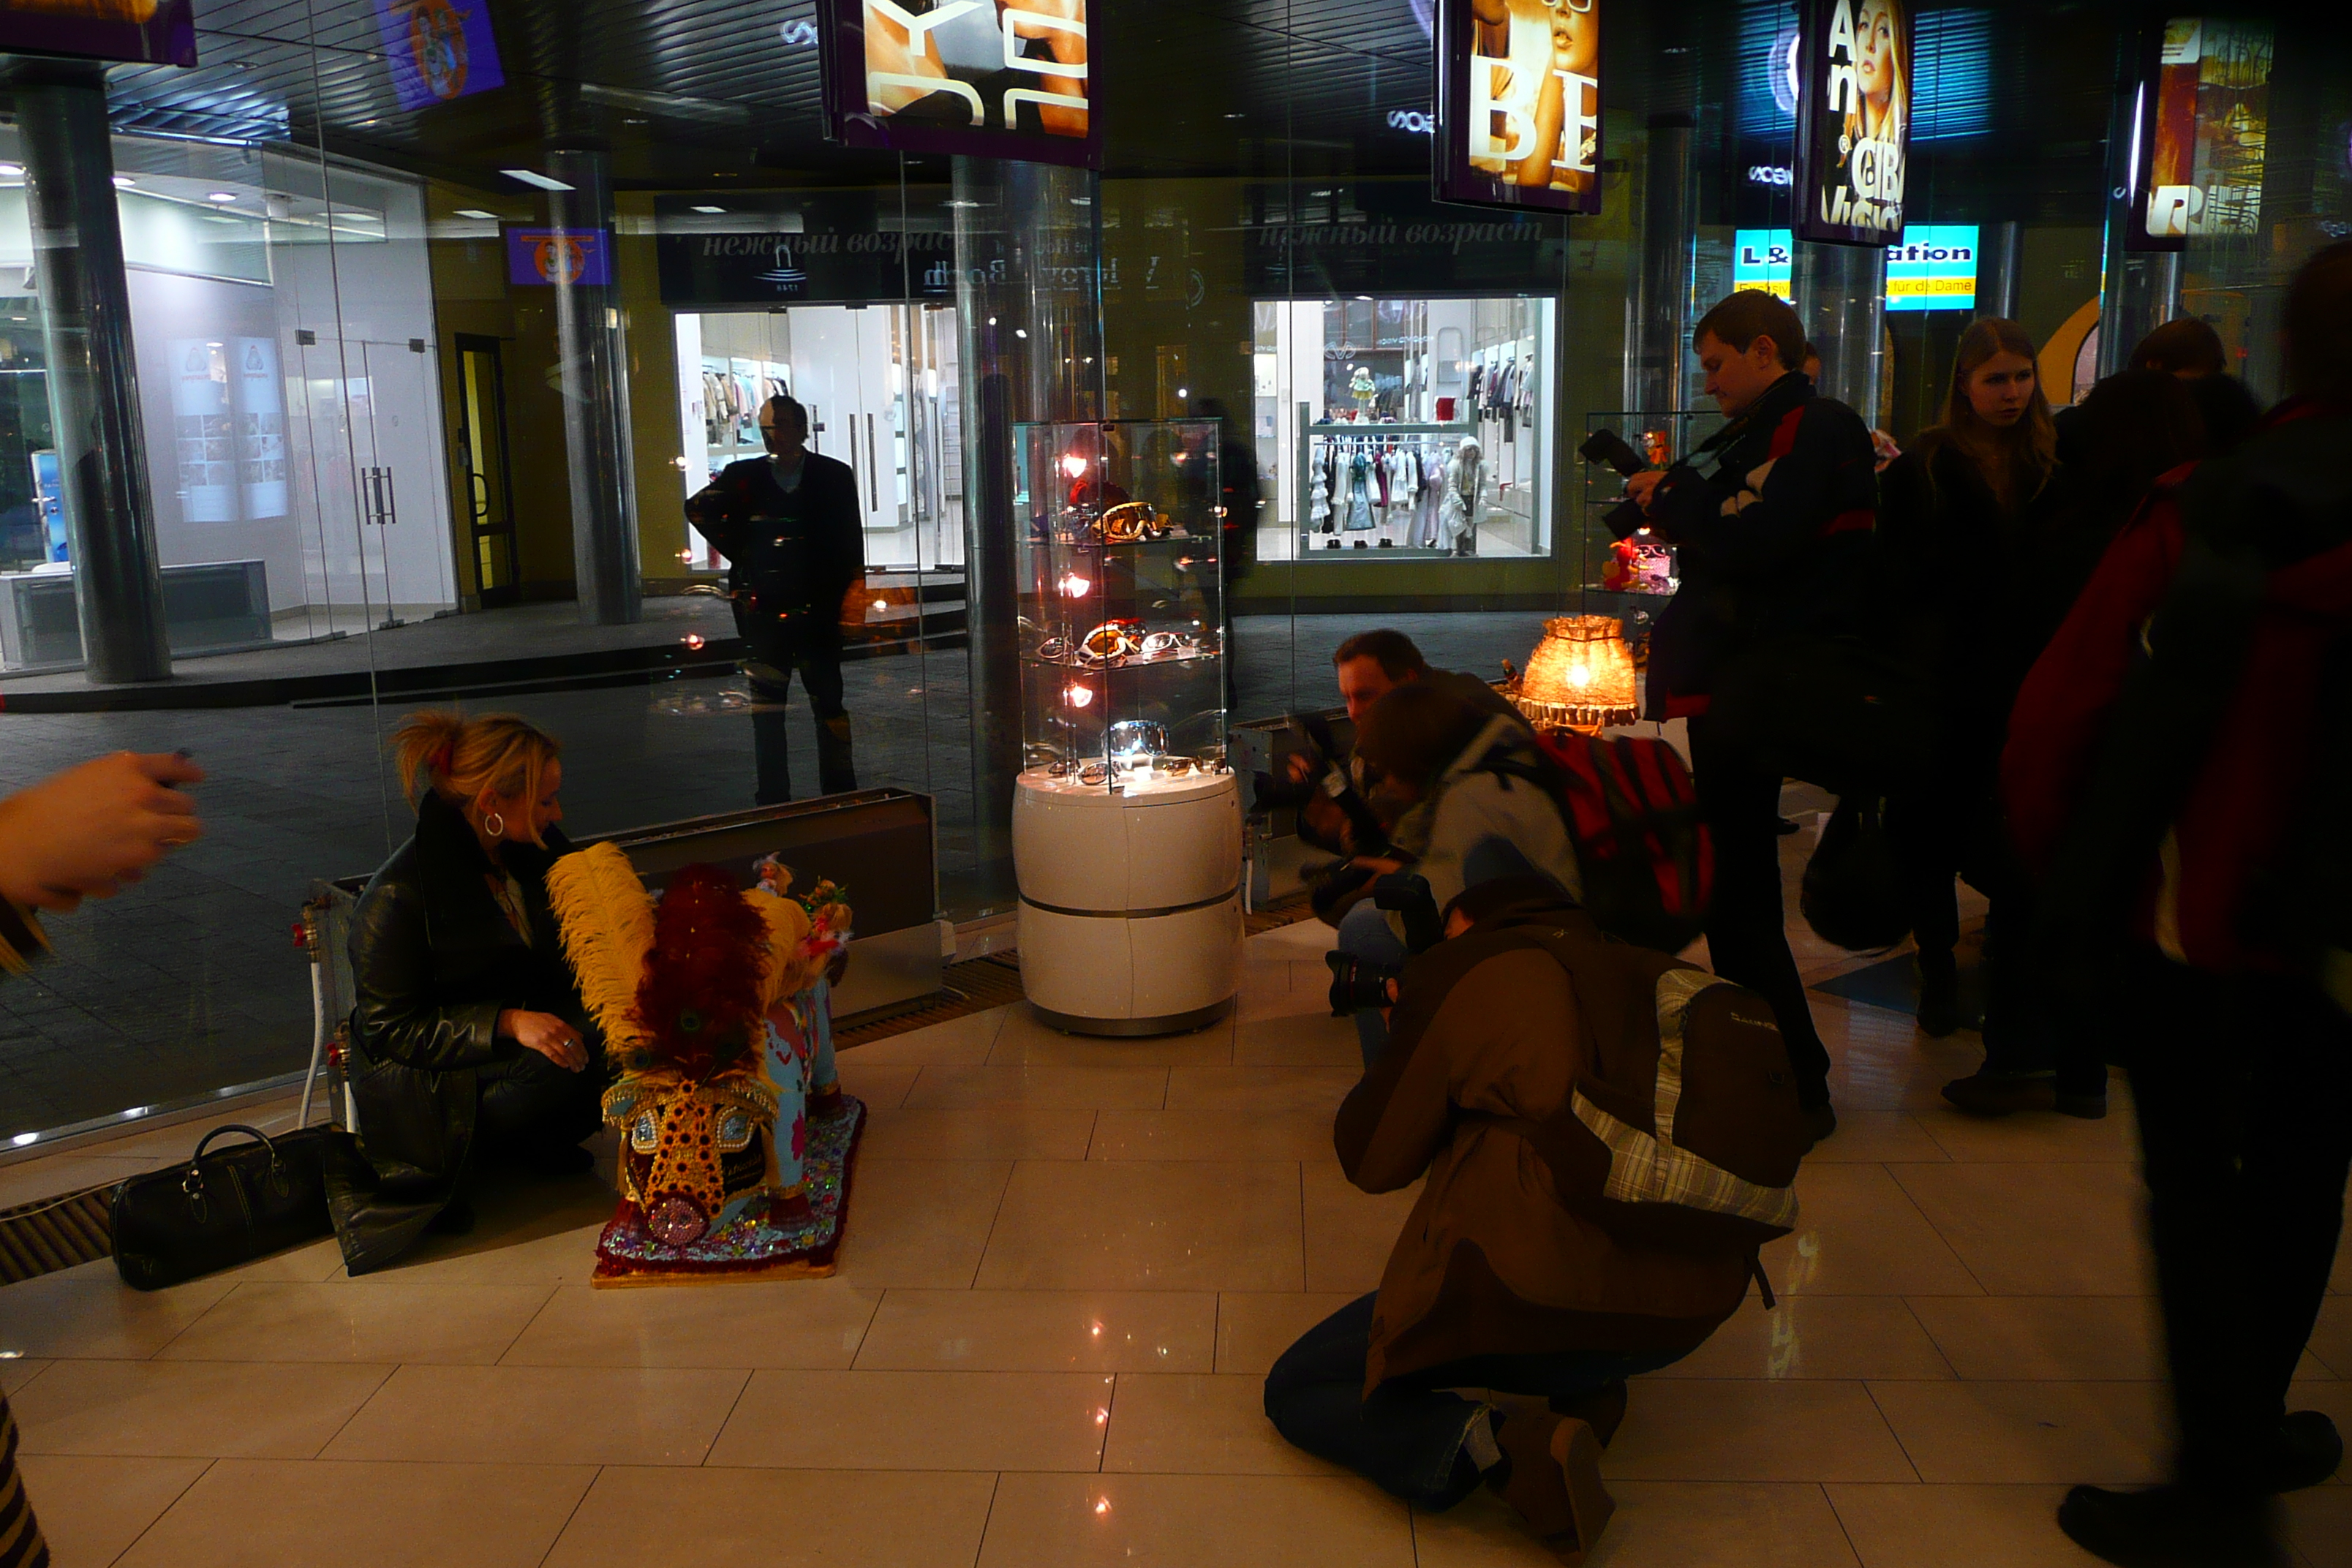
458 758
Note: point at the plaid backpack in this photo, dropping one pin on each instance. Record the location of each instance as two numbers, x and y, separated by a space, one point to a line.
1642 848
1683 1131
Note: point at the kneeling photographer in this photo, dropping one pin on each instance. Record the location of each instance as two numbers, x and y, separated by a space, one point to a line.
1460 783
1527 1266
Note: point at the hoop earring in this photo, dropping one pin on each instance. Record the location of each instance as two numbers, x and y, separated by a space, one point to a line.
494 825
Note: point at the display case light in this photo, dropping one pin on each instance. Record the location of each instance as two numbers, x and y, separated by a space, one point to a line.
1077 695
1074 466
1074 586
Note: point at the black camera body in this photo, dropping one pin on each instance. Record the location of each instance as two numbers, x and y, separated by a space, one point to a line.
1625 519
1357 984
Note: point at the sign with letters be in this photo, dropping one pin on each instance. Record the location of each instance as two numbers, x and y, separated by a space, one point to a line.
993 78
1518 103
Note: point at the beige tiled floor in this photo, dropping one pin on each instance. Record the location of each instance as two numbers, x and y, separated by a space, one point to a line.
1070 1264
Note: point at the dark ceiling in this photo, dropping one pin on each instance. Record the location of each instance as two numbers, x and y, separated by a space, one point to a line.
721 94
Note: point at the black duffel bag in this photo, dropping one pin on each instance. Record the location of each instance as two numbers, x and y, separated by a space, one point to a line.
1855 894
225 1208
1832 711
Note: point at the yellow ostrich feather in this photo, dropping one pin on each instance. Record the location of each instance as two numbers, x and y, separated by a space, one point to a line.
785 969
606 920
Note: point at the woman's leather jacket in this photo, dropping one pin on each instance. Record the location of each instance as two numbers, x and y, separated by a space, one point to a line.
434 962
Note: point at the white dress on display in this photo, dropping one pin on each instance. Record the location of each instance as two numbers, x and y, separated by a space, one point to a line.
1465 483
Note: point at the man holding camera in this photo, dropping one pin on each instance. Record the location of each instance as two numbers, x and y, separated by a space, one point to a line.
1773 516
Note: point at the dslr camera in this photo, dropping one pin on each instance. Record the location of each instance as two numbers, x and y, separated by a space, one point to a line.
1359 983
1608 447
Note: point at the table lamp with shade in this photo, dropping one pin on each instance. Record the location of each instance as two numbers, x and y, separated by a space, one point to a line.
1581 676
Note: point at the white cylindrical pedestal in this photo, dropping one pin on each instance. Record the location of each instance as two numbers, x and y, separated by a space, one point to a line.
1130 903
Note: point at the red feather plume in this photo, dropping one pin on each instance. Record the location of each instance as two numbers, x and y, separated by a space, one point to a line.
699 1000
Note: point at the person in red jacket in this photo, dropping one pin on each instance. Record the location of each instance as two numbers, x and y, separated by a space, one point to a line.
2173 771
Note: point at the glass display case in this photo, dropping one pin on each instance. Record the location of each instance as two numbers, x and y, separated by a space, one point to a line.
1122 650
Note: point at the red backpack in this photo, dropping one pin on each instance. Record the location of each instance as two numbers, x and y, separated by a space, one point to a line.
1642 848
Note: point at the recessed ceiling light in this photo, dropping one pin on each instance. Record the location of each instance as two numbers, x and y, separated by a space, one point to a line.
533 178
124 181
477 212
221 196
708 209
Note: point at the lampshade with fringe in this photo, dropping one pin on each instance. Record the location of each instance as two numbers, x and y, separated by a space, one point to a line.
1581 676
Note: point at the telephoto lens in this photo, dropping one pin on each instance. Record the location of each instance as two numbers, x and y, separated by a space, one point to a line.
1359 984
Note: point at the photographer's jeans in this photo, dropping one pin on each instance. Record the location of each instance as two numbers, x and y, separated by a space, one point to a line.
1407 1437
1364 934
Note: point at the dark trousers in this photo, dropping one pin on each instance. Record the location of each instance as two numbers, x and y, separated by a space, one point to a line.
820 673
1407 1437
2243 1085
529 1103
1747 938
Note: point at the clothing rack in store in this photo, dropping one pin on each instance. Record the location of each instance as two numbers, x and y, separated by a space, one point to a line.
1378 482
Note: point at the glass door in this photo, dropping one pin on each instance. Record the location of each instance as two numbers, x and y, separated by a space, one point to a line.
486 484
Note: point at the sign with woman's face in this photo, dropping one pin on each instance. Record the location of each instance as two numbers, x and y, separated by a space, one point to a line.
158 32
1854 124
1518 103
993 79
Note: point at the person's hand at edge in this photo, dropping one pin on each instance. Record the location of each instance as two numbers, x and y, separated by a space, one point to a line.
548 1035
93 829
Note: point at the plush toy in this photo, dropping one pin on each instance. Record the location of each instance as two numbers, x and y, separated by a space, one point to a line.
723 1173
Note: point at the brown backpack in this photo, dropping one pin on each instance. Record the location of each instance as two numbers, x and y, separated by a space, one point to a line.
1683 1133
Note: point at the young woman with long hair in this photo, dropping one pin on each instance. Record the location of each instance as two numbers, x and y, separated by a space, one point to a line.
1960 516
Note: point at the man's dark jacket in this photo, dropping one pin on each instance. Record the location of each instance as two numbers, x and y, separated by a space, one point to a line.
792 555
1773 516
434 962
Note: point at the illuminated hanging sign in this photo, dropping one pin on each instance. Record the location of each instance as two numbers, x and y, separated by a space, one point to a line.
985 77
1853 128
538 257
1931 266
2201 133
157 32
1761 258
1518 103
440 51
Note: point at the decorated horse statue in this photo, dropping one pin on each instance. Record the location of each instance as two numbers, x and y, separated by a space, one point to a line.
736 1140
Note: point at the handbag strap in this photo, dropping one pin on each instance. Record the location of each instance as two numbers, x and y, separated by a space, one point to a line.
255 1132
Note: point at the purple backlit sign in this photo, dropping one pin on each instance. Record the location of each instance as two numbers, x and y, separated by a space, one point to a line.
439 49
158 32
545 255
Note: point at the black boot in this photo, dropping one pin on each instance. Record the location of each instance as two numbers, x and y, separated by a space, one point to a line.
1939 994
2169 1527
2306 1452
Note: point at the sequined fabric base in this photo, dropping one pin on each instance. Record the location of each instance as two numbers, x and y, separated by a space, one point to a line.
754 1246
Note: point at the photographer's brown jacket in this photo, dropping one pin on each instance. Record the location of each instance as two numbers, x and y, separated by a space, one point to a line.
1490 1262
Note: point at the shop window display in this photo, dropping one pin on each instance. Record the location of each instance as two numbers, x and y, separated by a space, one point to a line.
1411 428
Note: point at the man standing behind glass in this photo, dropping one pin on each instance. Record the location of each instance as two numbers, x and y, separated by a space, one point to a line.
796 548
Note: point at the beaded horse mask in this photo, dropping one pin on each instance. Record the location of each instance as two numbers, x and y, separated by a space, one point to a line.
688 990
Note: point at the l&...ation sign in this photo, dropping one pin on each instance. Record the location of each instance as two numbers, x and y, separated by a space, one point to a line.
1518 103
1930 267
993 78
1854 124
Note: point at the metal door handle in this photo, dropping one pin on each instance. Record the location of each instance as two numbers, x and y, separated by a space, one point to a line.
391 497
873 485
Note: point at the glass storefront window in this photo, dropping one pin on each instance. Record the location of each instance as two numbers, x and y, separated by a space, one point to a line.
372 489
